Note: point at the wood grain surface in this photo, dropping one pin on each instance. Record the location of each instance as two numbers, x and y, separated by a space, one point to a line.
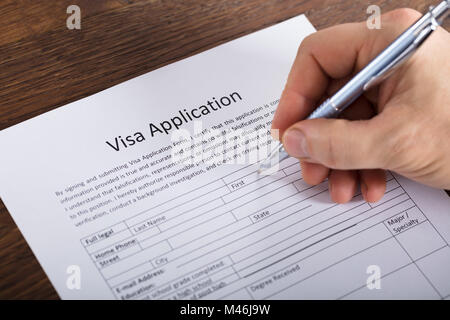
43 65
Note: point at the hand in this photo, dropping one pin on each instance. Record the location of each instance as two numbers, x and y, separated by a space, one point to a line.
403 125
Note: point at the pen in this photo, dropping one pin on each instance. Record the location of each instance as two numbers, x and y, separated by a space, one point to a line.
375 72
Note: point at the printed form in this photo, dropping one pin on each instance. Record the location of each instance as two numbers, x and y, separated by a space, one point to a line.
103 192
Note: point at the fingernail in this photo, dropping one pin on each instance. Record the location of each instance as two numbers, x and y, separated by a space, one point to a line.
295 144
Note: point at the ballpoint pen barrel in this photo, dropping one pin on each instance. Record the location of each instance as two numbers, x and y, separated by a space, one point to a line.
325 110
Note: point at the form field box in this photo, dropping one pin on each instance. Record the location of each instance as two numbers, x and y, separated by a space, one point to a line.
293 168
138 258
332 280
421 240
436 268
118 237
104 234
263 201
247 188
398 286
298 236
196 232
253 178
187 216
404 220
179 201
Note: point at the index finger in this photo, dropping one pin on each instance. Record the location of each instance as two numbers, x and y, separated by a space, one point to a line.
327 54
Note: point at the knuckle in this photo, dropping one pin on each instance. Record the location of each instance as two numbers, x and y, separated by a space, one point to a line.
306 44
335 146
403 16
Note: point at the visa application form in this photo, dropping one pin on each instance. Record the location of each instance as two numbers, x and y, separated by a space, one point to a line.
103 192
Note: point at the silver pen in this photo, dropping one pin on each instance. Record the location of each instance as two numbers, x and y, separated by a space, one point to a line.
375 72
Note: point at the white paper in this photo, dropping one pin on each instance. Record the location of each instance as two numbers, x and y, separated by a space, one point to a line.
114 225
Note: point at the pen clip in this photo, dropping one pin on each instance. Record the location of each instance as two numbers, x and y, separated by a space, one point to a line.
387 71
404 56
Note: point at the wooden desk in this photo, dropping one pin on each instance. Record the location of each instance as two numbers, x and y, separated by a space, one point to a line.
43 65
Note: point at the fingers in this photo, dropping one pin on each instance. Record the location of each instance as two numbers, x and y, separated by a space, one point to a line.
342 185
373 184
313 173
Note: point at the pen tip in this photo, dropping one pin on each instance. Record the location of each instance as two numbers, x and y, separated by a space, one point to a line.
267 170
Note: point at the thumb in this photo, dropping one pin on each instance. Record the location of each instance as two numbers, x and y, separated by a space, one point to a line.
337 143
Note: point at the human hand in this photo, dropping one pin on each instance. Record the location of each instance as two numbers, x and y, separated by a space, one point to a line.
402 125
